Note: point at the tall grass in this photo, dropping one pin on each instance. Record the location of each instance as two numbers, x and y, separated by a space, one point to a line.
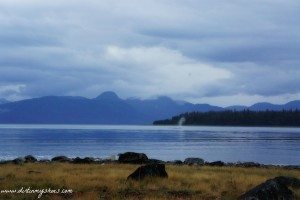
108 181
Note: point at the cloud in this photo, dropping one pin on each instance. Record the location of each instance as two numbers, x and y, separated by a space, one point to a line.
186 49
161 71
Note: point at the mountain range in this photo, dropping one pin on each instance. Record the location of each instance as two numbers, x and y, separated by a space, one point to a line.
108 108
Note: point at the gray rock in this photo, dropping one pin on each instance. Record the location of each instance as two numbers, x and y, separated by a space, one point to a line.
44 161
216 163
194 161
133 158
86 160
19 160
155 161
61 159
288 181
175 162
30 159
151 170
276 188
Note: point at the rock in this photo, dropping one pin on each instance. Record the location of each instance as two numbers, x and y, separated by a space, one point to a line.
216 163
19 160
133 158
276 188
175 162
86 160
61 159
248 164
288 181
44 161
155 161
150 170
231 164
194 161
30 159
178 162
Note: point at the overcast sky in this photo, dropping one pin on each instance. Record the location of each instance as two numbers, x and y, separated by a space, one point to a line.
217 52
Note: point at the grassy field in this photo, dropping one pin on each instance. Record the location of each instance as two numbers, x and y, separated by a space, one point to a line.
108 181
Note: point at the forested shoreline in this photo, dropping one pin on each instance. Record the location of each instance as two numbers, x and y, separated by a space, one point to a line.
236 118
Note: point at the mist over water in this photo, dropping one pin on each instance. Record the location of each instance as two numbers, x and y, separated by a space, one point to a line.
230 144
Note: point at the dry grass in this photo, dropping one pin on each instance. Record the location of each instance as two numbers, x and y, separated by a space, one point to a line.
109 181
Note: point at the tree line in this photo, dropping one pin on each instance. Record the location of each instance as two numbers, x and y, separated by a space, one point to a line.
236 118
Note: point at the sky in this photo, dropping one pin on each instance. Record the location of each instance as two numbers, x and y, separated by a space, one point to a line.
235 52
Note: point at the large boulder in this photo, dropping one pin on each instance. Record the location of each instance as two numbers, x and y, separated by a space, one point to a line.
150 170
288 181
86 160
216 163
194 161
133 158
61 159
155 161
276 188
30 159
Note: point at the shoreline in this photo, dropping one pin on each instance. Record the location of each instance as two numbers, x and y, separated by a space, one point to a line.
196 161
150 124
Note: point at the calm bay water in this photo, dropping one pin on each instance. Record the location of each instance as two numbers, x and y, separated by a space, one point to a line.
231 144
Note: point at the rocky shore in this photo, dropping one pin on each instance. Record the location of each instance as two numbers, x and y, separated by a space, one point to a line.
141 158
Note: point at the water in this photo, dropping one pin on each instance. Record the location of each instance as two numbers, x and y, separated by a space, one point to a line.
230 144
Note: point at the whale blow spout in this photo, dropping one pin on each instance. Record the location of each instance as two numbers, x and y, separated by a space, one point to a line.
181 121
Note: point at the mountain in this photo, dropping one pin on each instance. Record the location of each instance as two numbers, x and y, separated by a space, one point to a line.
108 108
3 101
108 96
165 107
265 106
236 108
69 110
292 105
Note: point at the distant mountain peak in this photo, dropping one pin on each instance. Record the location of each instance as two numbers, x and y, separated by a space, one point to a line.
108 95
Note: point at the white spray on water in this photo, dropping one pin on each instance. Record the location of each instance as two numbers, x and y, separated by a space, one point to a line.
181 121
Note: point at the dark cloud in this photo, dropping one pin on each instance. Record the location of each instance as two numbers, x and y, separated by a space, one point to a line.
193 50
